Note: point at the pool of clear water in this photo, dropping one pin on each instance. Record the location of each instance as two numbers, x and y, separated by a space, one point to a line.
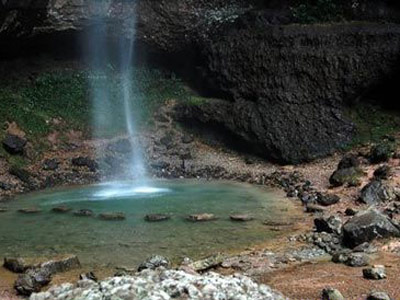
112 243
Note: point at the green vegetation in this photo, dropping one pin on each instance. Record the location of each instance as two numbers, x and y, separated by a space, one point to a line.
373 123
60 101
320 11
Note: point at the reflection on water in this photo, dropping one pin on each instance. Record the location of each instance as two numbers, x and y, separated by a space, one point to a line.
128 242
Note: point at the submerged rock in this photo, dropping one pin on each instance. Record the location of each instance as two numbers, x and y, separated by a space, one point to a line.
14 144
241 218
112 216
29 210
84 213
157 217
154 262
61 209
367 226
201 217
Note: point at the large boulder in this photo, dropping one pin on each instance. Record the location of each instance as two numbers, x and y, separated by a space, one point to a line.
367 226
376 192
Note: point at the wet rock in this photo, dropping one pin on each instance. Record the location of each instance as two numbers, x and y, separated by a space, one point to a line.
367 226
50 164
157 217
62 264
376 192
350 176
241 218
14 144
327 200
357 260
312 208
375 273
112 216
85 162
378 296
201 217
381 152
88 276
84 213
207 263
2 209
331 294
383 172
331 224
121 146
30 210
61 209
15 264
32 281
154 262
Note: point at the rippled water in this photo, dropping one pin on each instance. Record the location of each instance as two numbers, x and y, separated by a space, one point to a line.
128 242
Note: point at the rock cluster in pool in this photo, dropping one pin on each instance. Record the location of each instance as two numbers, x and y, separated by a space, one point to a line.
163 284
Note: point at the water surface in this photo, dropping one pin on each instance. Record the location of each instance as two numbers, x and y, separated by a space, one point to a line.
128 242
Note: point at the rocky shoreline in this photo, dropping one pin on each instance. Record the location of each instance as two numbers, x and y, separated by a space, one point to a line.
338 202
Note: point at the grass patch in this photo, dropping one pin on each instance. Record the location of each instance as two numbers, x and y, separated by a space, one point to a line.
373 123
62 101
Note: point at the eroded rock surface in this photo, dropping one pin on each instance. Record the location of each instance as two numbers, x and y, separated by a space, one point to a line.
161 284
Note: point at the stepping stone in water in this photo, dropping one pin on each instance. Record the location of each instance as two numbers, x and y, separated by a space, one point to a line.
83 213
61 209
112 216
157 217
30 210
241 218
201 217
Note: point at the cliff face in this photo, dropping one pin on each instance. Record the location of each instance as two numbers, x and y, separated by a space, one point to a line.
285 85
289 84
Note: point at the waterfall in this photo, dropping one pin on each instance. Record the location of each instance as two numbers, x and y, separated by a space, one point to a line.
111 73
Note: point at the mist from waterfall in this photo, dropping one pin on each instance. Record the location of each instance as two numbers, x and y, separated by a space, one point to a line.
111 73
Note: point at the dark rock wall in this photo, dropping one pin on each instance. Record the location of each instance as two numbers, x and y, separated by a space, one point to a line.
288 84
